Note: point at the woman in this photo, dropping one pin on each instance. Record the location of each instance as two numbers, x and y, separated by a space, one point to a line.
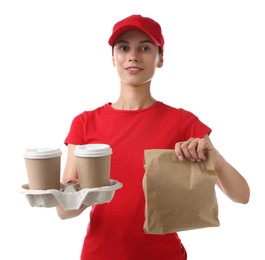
135 122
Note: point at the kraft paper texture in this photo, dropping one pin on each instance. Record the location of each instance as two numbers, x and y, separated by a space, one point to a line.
179 195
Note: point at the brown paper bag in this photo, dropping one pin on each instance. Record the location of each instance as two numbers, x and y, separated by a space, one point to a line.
179 195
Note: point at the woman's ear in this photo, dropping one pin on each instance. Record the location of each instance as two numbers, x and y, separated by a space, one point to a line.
160 62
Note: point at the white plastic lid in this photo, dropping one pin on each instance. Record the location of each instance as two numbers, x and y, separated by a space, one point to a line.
92 150
42 152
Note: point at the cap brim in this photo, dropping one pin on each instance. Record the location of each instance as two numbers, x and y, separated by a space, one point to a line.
126 28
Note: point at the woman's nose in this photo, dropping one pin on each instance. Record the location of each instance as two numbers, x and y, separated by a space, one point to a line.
133 59
133 56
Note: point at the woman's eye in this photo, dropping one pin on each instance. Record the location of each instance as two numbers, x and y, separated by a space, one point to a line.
145 48
123 48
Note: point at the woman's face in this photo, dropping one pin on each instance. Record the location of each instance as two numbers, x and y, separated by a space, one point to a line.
136 58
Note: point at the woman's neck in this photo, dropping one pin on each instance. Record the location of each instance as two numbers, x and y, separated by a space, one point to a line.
134 98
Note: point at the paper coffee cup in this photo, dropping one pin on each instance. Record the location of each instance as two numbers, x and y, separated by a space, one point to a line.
43 167
93 165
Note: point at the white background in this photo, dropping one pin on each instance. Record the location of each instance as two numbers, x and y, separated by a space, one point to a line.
55 63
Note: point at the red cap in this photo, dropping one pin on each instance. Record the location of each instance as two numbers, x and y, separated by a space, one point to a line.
138 22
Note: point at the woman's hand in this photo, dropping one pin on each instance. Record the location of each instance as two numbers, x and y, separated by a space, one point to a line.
71 181
194 149
229 180
70 177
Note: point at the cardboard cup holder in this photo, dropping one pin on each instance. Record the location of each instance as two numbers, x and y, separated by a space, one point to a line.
70 196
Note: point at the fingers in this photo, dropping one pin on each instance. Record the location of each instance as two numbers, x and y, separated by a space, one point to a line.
193 149
202 149
71 181
179 150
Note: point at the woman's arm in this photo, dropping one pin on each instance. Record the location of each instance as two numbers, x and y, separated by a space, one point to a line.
229 180
70 176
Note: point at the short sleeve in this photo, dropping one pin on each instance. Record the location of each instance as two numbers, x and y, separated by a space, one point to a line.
192 126
76 133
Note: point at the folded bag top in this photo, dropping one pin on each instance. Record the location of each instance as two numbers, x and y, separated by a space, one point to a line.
179 195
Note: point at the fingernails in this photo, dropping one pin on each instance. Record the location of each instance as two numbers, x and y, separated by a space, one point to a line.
180 157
